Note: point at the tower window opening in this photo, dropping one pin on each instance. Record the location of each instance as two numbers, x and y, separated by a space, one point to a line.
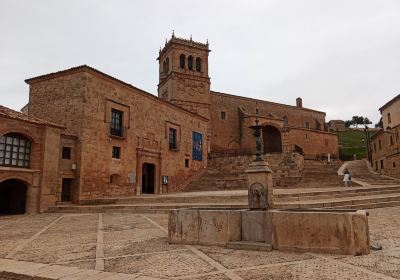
182 60
198 64
190 62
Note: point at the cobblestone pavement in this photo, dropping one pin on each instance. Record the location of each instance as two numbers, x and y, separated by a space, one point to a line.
137 244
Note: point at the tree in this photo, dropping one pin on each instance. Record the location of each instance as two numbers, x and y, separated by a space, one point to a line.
348 123
379 124
357 120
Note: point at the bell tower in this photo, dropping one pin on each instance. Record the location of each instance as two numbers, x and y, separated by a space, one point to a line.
183 75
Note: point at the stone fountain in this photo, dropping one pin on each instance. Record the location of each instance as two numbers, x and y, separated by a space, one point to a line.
261 227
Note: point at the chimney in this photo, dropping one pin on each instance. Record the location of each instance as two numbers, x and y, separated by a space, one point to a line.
299 102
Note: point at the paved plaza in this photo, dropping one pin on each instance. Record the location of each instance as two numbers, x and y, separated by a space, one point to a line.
136 244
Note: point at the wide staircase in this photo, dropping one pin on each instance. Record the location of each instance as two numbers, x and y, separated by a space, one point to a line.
373 191
215 179
361 172
319 174
369 190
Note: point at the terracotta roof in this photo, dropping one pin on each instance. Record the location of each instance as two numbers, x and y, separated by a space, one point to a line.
390 102
11 114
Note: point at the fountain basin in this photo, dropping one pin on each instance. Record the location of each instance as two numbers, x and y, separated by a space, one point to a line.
301 230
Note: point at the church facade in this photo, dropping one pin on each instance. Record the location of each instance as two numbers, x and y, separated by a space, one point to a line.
109 138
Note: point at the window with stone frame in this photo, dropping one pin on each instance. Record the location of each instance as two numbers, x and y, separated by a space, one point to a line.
307 125
66 153
116 125
15 150
186 163
116 152
172 139
223 115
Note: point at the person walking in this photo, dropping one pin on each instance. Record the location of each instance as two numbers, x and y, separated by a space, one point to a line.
347 178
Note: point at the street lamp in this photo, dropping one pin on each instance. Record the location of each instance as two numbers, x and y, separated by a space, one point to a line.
368 144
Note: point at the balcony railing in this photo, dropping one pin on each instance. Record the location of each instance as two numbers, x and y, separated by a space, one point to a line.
117 131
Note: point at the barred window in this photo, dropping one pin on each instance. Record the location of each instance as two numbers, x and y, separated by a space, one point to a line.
15 150
116 152
116 123
172 139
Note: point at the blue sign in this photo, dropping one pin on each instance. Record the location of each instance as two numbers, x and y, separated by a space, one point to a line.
197 146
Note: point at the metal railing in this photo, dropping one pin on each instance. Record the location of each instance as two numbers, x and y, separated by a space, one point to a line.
116 131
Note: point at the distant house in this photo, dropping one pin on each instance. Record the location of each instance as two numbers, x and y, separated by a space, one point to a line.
337 125
385 144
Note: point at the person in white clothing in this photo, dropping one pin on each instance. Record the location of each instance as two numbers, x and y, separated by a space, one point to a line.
347 178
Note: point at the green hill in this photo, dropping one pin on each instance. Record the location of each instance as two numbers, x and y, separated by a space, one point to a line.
351 143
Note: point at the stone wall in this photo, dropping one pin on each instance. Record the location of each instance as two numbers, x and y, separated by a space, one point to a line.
83 99
386 152
313 142
41 176
228 133
394 110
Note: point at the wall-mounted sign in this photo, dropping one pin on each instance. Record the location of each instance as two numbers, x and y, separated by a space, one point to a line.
197 146
165 180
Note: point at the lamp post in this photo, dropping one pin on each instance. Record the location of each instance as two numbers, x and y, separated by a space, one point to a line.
368 144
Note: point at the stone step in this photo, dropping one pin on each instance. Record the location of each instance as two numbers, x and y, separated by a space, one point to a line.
330 196
249 245
335 202
286 195
143 208
188 198
366 206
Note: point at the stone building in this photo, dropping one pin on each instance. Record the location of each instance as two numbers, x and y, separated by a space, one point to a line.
113 139
337 125
30 162
385 144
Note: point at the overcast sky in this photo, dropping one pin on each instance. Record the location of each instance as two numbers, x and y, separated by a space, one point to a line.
340 56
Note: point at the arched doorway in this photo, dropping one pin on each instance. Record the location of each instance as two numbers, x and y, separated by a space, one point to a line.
148 175
12 197
272 139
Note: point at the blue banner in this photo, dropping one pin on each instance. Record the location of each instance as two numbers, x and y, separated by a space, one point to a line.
197 146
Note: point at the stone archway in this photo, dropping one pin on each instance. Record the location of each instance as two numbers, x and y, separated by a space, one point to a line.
13 196
272 139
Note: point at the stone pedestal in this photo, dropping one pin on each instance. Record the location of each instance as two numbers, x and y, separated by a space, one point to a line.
259 182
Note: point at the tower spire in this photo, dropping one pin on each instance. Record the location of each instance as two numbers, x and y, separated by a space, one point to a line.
173 33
